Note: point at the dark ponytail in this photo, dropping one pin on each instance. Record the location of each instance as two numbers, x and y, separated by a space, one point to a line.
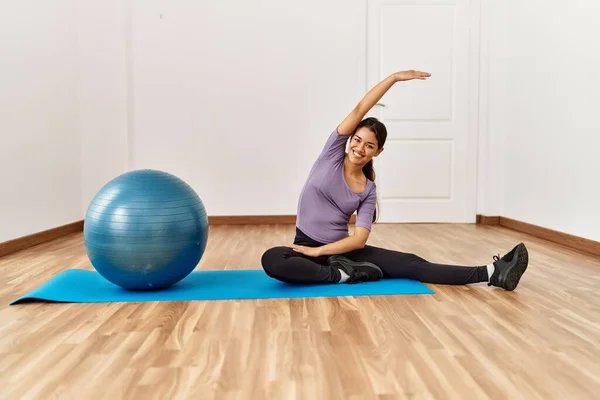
380 132
369 172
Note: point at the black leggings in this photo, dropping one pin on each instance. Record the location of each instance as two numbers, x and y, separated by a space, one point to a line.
289 266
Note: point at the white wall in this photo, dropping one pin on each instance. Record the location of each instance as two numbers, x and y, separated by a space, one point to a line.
64 103
103 49
238 97
543 98
40 144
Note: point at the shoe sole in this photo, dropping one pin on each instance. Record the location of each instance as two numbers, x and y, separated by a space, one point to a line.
343 261
513 275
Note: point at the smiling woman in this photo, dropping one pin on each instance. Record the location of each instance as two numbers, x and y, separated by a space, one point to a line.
365 143
341 183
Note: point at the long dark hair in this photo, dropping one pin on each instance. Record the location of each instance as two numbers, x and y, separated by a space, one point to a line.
380 131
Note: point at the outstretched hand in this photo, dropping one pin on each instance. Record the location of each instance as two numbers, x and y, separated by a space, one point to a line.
307 251
411 74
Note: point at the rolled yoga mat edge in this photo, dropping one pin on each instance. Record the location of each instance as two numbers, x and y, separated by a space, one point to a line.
84 286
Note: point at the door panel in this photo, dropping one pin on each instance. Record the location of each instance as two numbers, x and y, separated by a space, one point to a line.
419 36
425 172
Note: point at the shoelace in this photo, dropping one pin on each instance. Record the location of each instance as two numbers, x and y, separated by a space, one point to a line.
358 276
491 281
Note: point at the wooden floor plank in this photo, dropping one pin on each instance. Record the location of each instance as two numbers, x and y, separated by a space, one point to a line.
540 341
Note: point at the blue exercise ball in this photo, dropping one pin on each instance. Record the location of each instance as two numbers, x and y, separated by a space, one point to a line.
145 230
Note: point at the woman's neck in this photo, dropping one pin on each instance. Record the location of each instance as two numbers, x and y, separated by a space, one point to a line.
352 169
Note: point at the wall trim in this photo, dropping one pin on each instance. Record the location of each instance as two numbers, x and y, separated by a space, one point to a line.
25 242
251 219
257 219
488 220
565 239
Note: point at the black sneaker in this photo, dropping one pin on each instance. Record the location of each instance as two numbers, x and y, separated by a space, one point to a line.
509 269
357 271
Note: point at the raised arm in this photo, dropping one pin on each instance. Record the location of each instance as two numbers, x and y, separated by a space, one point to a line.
350 123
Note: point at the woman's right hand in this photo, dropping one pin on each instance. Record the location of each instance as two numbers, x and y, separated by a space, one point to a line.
411 74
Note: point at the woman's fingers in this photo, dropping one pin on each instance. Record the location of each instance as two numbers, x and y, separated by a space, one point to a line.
296 248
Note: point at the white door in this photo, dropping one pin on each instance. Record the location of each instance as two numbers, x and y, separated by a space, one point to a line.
427 172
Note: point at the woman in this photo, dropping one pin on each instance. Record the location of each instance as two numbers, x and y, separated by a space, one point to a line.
341 183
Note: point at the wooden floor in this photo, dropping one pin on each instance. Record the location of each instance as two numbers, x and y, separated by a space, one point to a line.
541 341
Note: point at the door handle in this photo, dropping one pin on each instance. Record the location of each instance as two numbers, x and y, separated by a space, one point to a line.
381 104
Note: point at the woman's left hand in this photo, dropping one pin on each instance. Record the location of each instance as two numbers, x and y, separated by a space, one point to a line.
307 251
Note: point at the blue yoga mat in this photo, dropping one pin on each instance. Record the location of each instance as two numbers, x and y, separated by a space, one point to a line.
82 286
